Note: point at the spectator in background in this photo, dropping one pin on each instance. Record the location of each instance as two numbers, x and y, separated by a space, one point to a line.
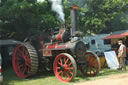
122 55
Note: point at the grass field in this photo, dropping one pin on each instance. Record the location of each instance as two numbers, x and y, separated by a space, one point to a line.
47 78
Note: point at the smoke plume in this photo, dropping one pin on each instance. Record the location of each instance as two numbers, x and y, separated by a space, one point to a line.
57 7
40 0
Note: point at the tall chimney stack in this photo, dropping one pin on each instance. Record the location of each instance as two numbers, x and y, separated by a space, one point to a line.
74 19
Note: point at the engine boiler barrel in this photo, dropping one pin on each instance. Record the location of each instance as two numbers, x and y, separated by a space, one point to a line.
77 48
74 19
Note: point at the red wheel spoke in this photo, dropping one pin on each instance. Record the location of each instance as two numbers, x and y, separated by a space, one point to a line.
95 63
24 69
28 64
67 75
19 52
27 58
26 53
70 64
23 50
90 66
58 67
70 72
27 69
18 69
66 61
89 57
69 68
61 61
91 60
60 72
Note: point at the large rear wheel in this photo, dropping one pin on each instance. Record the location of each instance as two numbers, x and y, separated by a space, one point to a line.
25 60
65 67
92 64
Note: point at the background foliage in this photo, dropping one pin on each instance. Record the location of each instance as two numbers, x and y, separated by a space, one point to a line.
22 18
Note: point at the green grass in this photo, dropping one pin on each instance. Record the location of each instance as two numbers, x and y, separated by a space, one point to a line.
47 78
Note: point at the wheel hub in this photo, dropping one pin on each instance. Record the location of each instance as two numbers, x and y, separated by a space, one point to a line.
65 68
62 68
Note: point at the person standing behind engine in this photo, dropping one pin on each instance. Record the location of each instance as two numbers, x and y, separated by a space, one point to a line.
122 55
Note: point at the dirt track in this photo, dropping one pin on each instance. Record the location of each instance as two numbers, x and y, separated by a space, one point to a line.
120 79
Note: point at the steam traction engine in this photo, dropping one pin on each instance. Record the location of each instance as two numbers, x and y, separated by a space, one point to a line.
63 53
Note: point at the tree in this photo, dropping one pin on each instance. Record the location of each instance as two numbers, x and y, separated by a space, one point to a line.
22 18
98 16
25 17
